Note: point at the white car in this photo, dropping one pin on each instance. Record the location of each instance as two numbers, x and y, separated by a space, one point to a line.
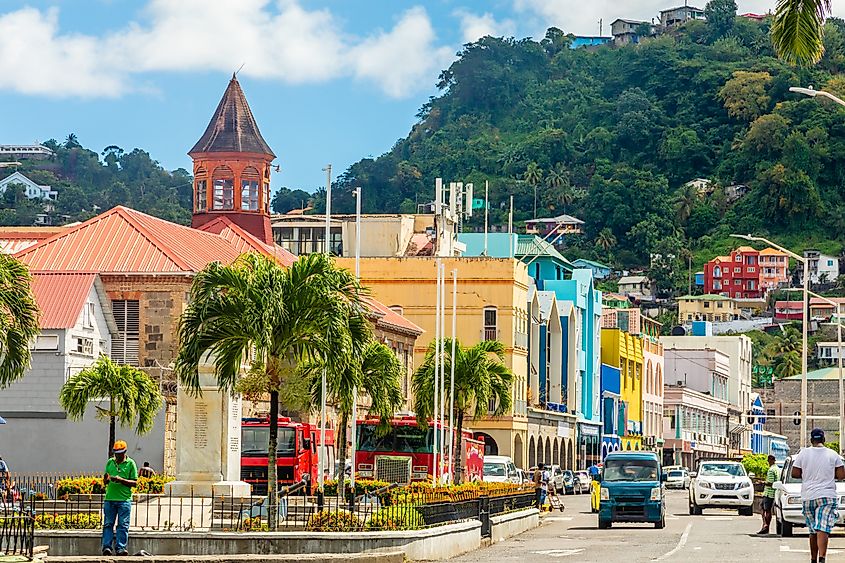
500 469
677 479
787 509
721 484
583 482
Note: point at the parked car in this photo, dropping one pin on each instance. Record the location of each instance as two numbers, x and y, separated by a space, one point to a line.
721 484
583 482
632 489
500 469
677 479
787 509
568 482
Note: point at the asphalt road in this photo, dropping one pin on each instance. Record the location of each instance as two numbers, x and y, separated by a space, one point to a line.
717 535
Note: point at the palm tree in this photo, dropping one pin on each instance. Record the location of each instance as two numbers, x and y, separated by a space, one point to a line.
277 320
685 200
798 30
788 364
481 378
605 239
788 341
557 176
19 319
374 372
133 396
533 175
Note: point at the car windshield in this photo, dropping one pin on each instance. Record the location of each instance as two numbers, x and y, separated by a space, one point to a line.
676 474
721 470
495 470
256 441
403 439
630 470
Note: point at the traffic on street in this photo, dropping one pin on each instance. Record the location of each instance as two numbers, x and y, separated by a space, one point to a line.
715 535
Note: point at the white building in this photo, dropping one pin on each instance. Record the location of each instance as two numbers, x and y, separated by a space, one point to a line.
635 286
823 268
738 350
32 190
77 326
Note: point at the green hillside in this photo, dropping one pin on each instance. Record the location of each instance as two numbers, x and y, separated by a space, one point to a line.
612 134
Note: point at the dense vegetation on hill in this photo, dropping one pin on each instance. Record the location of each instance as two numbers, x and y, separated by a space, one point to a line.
88 183
612 135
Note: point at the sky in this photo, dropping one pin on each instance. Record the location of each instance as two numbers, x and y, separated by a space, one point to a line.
329 81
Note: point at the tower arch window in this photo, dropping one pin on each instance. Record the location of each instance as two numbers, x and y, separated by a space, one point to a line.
224 189
200 190
250 182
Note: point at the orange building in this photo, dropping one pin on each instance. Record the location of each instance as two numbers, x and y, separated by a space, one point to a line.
774 268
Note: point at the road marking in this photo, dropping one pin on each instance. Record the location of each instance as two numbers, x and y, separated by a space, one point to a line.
559 552
790 550
718 518
681 543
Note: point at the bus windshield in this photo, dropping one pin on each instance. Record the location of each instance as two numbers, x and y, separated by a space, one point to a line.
405 439
256 441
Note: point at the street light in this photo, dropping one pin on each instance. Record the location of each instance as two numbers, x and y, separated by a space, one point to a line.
839 356
815 93
805 314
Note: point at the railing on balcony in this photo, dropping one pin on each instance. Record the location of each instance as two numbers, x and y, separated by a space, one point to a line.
490 333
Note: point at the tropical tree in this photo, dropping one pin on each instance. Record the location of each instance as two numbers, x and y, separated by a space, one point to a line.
685 200
788 341
481 378
605 239
798 30
788 364
533 175
19 319
275 319
374 372
132 396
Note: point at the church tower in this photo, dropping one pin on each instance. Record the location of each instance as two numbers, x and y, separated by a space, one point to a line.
232 168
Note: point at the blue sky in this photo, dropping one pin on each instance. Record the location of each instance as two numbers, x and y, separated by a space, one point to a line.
328 80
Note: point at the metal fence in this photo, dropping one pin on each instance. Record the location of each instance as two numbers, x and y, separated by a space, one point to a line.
389 508
17 529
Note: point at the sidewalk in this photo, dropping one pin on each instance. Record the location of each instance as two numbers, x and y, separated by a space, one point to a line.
374 557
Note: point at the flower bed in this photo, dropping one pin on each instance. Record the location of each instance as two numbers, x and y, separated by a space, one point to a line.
94 486
79 521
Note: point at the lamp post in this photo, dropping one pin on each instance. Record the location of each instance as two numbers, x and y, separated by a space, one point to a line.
815 93
804 327
838 308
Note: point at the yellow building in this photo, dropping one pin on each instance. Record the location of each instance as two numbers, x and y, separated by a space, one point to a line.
492 304
625 351
707 308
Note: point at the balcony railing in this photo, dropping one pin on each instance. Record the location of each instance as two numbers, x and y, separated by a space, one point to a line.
490 333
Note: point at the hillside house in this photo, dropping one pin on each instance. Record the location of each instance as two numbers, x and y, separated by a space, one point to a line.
31 189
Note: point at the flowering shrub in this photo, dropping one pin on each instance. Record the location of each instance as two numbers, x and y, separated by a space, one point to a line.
81 521
361 486
396 518
333 522
255 524
94 485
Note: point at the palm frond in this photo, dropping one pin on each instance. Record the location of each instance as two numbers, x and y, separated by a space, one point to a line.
19 319
798 30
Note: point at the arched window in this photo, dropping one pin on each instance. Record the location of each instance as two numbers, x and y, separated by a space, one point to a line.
491 320
250 182
224 189
200 191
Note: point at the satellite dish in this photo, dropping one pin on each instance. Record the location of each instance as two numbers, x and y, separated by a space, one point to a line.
679 331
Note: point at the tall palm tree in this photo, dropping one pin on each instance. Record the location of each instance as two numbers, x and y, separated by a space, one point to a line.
533 175
374 372
133 396
685 199
788 341
788 364
19 319
254 311
798 30
481 378
605 239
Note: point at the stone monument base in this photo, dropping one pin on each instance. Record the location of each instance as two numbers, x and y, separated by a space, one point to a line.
234 489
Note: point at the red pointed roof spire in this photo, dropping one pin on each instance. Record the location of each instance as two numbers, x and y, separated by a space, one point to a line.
233 127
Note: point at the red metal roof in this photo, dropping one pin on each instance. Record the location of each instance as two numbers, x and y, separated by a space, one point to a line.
244 241
390 317
60 296
123 240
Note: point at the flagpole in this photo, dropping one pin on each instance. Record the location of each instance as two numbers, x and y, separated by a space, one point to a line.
354 438
321 453
452 436
436 365
442 357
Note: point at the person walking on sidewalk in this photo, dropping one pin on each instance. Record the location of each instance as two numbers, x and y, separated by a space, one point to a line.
768 501
120 477
537 479
819 468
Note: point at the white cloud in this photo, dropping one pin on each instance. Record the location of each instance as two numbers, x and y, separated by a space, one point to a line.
36 59
279 40
404 58
475 26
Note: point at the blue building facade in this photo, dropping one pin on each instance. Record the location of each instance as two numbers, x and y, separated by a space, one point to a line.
589 41
600 271
762 441
611 415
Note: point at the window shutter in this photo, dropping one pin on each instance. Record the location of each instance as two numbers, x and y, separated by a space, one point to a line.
124 345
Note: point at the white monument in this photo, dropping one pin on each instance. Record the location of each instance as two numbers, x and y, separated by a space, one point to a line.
208 441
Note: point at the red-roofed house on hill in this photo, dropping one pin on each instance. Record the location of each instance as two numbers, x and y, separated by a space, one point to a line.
77 325
746 273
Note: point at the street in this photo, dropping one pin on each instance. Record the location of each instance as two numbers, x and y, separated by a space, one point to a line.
717 535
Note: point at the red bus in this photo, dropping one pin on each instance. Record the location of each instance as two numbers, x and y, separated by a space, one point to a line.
296 452
406 452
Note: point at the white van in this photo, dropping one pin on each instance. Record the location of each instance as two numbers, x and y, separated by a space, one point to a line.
500 469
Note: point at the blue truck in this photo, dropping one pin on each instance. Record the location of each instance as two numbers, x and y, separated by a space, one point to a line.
632 489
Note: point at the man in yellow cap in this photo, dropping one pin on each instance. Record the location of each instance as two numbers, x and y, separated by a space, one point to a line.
120 477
